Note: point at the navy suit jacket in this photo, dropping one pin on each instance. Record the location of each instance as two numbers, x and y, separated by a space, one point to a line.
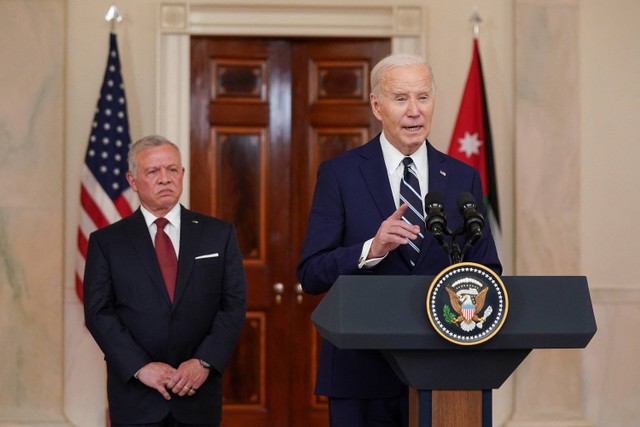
352 198
128 312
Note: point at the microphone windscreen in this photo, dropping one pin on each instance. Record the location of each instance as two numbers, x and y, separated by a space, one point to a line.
433 197
465 198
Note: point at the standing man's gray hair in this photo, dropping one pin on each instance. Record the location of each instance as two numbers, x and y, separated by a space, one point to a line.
148 141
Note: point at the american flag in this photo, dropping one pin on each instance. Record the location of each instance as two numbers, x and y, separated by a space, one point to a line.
105 195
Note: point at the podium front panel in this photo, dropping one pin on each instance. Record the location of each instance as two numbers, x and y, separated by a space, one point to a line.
389 313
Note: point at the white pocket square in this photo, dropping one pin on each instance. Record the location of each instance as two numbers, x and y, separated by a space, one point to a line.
207 256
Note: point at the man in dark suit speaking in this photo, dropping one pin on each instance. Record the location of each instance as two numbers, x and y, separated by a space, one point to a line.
165 299
367 217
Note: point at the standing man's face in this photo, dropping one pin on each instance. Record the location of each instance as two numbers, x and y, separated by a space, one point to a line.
405 106
158 179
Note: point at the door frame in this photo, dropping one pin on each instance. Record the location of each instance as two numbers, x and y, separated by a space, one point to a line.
403 21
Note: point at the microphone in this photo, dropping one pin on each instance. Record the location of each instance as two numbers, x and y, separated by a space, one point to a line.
435 220
473 220
436 223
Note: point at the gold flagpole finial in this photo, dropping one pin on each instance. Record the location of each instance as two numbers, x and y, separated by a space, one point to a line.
113 16
475 21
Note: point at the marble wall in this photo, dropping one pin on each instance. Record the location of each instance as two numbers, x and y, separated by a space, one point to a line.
31 211
548 385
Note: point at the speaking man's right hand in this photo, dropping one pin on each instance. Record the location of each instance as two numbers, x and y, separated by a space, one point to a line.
393 232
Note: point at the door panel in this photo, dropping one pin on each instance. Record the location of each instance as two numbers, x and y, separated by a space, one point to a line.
264 114
236 153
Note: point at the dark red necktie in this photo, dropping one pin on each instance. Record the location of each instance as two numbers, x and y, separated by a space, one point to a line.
166 257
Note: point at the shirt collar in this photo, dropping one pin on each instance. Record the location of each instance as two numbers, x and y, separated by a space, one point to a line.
393 157
173 216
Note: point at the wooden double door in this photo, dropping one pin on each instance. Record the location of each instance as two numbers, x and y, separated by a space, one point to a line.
264 113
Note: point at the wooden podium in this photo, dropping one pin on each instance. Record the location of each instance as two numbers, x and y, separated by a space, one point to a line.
451 384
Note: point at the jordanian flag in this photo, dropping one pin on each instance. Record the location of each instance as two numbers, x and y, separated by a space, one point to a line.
471 139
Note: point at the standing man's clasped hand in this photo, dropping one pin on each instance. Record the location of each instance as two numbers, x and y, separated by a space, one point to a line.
157 375
188 378
393 232
183 381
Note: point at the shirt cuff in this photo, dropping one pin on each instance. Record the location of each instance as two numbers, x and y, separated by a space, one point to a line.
363 262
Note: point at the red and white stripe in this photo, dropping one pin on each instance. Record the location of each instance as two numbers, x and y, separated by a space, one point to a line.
96 211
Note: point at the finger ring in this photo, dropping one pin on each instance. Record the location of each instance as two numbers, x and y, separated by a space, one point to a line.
186 388
194 389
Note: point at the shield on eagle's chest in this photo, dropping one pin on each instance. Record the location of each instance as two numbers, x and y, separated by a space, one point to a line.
468 310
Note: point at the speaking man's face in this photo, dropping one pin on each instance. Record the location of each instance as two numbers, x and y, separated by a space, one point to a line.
405 106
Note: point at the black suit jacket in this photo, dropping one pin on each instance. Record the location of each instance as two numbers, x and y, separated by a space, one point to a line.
128 312
352 198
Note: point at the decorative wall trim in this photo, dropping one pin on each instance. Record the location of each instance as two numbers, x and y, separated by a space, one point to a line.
302 18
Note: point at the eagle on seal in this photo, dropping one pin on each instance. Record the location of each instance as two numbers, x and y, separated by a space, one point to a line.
467 303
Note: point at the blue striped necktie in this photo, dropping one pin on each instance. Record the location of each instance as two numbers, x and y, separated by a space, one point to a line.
410 194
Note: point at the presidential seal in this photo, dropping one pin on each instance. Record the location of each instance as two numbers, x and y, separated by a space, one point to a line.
467 303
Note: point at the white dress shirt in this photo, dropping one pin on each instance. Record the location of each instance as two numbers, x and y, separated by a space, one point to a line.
172 228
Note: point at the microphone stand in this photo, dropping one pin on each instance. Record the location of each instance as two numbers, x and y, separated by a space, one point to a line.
455 256
470 242
452 250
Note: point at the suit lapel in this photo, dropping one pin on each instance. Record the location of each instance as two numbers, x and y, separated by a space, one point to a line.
141 240
438 170
378 183
190 234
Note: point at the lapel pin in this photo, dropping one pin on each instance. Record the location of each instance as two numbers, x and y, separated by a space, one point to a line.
443 173
195 221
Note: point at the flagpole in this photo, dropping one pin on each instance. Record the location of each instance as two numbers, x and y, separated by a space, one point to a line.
475 21
113 16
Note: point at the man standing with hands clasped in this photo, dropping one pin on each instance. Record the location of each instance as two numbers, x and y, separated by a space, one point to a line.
367 217
165 299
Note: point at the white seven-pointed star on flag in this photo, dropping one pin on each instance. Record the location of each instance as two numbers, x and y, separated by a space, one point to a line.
470 144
